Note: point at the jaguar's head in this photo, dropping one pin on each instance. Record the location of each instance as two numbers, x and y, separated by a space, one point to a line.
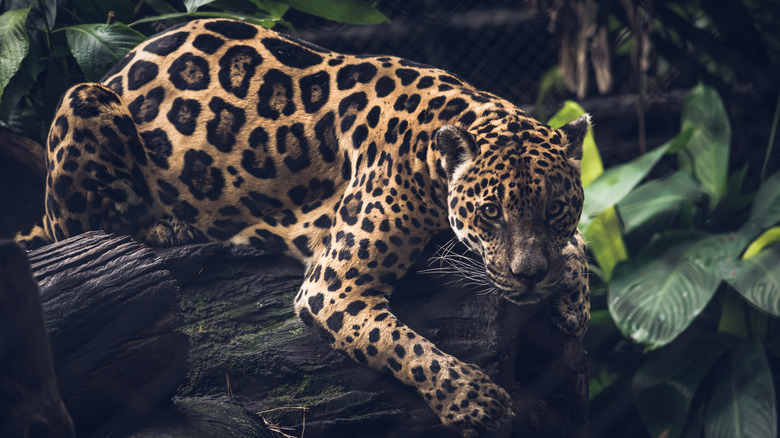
515 198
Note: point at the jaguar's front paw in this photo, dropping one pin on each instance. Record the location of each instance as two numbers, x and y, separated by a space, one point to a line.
469 402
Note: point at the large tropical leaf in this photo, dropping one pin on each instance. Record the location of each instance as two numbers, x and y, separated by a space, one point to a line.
654 296
742 402
706 155
616 182
766 205
757 279
655 197
97 47
664 387
342 11
14 43
605 241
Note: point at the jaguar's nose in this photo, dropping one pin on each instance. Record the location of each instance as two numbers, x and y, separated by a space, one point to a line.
529 269
530 278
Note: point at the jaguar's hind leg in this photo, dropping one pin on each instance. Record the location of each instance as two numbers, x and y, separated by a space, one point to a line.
96 164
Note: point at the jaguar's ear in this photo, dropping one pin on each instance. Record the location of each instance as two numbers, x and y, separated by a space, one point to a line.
456 145
575 134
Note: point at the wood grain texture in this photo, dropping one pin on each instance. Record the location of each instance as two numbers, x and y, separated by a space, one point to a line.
30 403
124 319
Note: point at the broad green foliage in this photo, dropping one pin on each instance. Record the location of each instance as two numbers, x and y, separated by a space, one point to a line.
766 206
605 242
97 47
706 154
694 241
654 297
656 197
758 279
45 43
741 403
14 43
617 182
665 385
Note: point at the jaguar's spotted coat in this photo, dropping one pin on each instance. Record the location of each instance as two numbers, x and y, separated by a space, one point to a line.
222 130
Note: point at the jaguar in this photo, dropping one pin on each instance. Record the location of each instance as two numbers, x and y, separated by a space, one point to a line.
221 130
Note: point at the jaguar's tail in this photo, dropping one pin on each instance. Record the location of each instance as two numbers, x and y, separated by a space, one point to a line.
32 238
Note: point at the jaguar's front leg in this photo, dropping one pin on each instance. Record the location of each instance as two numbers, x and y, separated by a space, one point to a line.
345 298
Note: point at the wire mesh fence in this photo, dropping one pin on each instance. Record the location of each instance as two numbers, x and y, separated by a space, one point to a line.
498 46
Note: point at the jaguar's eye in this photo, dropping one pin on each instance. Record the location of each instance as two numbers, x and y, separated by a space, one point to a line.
554 208
490 211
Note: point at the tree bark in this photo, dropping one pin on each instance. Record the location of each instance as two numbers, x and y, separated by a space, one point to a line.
112 309
120 346
30 403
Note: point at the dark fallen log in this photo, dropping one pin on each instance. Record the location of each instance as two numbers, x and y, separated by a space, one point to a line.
238 311
204 418
30 404
112 306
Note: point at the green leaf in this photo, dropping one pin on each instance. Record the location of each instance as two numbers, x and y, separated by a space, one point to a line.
616 182
766 205
22 82
655 197
733 317
706 154
664 387
654 296
14 43
273 8
265 22
13 93
97 47
342 11
742 401
193 5
769 237
605 242
600 382
680 140
591 159
757 279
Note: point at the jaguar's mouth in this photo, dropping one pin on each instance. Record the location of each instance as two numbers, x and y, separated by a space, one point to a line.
515 291
474 273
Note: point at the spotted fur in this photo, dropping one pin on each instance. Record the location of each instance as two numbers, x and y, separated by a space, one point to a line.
221 130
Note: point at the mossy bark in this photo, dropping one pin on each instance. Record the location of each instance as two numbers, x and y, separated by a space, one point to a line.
212 322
